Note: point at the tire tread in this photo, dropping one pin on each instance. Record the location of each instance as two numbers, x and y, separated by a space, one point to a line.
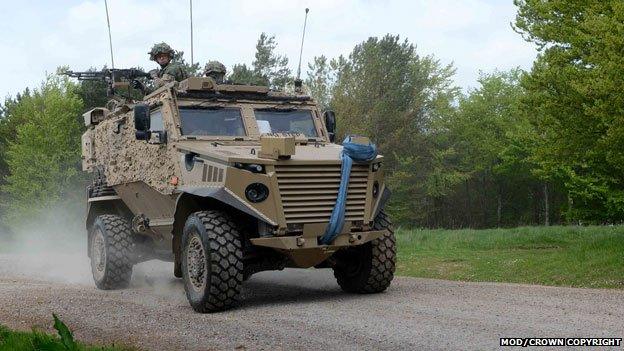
225 261
119 246
380 270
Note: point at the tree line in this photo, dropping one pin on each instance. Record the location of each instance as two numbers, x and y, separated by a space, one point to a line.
536 147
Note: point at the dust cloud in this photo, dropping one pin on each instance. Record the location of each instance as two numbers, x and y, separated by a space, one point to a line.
51 246
54 248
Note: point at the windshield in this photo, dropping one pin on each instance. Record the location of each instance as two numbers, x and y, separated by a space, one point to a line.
285 121
212 121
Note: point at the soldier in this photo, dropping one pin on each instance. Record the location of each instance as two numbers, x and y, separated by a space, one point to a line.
215 70
169 71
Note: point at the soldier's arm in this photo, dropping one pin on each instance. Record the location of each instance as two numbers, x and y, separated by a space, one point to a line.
173 72
180 73
166 78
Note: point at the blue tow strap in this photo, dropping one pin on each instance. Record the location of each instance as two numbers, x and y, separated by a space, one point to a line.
350 152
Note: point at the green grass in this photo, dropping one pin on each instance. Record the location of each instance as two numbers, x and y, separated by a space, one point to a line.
562 256
35 340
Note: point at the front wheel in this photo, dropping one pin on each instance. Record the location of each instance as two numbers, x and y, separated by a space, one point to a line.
368 268
212 261
110 249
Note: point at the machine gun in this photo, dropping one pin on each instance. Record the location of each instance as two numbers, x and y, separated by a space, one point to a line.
115 78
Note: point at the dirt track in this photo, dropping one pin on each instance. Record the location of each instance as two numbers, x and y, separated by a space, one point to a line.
300 309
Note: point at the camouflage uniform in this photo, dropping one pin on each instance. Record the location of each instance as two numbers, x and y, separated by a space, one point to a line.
215 70
173 71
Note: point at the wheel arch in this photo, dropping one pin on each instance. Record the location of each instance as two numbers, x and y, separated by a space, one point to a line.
201 199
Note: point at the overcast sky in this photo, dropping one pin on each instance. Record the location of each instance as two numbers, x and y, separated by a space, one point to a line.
38 36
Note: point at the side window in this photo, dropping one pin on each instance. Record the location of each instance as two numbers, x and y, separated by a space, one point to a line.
156 121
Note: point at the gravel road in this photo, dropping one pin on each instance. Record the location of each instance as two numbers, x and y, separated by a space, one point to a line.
298 309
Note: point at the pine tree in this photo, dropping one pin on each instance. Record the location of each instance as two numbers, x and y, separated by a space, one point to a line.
320 81
268 68
386 91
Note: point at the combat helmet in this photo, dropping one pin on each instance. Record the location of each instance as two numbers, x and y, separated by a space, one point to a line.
160 48
216 70
214 67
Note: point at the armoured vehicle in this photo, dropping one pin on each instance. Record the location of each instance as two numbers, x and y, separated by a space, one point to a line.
225 181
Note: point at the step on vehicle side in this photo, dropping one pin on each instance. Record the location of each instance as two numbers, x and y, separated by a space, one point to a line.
226 181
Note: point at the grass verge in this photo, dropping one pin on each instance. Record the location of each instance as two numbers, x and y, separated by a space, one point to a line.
35 340
562 256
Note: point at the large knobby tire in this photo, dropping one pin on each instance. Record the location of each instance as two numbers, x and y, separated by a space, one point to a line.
110 249
368 268
212 261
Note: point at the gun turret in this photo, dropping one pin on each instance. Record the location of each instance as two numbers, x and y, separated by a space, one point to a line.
115 78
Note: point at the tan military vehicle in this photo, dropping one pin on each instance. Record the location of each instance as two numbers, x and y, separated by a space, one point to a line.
226 181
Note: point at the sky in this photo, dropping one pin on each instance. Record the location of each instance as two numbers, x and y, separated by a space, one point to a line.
36 37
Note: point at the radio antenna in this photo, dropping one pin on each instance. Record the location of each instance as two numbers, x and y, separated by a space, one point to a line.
110 40
305 21
191 10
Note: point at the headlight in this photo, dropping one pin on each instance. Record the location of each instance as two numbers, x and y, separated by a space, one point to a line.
256 192
376 166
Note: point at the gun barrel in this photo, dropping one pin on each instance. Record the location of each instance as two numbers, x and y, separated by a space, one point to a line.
108 74
115 78
129 73
90 75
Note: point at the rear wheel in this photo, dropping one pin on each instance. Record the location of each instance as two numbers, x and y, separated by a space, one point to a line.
368 268
212 261
110 249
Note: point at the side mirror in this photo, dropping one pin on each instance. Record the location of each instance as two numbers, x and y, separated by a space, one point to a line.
330 123
142 122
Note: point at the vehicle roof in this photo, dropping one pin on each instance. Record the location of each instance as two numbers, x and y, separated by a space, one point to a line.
205 88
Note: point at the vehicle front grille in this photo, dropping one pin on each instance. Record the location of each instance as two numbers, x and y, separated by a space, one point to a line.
309 192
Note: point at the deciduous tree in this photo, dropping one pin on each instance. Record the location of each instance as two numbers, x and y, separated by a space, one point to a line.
43 160
574 94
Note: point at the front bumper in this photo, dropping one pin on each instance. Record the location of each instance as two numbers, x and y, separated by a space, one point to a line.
305 251
302 242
